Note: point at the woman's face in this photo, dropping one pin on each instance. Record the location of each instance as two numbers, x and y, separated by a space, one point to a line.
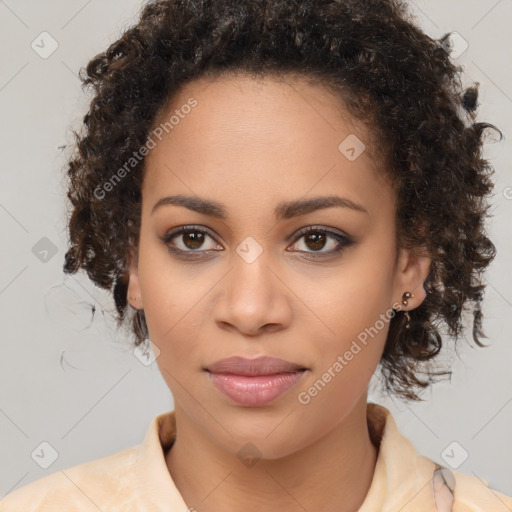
244 280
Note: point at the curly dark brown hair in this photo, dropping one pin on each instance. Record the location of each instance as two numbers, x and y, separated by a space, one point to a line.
388 73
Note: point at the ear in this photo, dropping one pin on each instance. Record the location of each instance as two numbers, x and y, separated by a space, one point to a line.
411 270
134 295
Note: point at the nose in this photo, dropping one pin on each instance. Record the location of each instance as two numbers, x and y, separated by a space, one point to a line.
254 299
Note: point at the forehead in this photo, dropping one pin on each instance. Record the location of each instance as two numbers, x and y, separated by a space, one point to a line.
260 138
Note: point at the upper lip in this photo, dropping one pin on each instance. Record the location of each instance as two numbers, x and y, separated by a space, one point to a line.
262 365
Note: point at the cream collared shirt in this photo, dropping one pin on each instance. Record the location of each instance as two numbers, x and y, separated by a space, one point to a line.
137 479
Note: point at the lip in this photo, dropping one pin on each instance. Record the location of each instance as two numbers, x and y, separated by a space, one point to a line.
262 365
254 382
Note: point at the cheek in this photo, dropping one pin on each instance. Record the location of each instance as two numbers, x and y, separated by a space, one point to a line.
353 309
354 295
172 302
344 360
173 320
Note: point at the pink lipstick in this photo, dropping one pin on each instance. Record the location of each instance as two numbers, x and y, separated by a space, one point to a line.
254 382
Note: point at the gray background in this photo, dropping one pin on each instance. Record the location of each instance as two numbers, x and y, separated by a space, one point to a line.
69 378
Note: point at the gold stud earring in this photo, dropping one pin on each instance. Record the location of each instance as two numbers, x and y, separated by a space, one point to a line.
405 296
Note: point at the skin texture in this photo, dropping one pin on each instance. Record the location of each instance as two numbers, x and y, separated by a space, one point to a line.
250 144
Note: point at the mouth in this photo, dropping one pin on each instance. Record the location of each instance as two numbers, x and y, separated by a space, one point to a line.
254 382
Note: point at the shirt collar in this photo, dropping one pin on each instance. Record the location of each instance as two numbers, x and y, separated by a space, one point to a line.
402 478
154 485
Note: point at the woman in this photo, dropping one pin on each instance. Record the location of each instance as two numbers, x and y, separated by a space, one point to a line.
281 197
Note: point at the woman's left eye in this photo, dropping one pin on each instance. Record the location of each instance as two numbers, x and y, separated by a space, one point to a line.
317 239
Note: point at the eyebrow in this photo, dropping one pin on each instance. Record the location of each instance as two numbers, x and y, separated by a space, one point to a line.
284 210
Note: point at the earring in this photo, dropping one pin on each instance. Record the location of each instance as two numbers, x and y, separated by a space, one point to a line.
405 297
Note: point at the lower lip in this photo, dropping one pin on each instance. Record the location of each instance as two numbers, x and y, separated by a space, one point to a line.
256 390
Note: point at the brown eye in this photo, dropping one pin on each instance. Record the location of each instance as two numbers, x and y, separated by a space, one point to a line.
193 239
315 239
189 239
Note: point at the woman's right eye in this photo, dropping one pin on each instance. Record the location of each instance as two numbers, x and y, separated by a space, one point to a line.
189 239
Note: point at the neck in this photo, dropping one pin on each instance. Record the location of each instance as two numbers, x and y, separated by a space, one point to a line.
211 479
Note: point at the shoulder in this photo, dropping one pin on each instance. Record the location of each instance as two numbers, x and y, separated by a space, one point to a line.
410 481
101 484
473 494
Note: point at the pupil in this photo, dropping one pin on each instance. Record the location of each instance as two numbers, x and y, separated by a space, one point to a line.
318 240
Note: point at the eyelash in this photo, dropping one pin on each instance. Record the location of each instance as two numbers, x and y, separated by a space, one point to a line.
343 241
